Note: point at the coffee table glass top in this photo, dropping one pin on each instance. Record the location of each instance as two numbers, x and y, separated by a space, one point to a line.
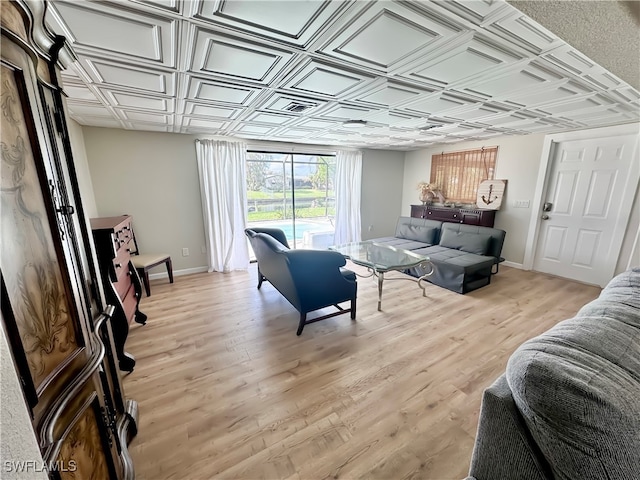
380 257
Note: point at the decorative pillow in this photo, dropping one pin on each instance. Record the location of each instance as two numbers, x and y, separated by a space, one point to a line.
477 243
417 233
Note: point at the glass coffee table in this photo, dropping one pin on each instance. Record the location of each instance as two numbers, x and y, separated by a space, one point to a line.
380 259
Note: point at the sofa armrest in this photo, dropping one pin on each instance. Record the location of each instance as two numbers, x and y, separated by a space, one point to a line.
504 449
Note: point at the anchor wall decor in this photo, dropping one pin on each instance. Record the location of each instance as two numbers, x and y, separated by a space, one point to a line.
490 193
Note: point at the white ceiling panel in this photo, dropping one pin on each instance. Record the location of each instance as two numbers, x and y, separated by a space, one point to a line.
80 93
142 102
477 11
346 112
567 108
317 124
521 30
470 59
106 122
477 113
278 102
88 109
210 91
538 97
117 29
388 94
269 118
169 5
255 129
363 37
438 104
235 58
198 124
413 73
198 109
387 117
125 76
296 133
146 117
519 80
297 22
148 127
324 79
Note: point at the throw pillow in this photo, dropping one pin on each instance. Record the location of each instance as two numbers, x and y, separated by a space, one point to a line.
417 233
477 243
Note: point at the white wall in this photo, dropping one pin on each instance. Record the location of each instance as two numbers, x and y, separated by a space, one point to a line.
382 177
154 177
517 162
17 439
76 137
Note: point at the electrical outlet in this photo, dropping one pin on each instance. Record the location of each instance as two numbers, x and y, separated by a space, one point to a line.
185 252
370 227
203 249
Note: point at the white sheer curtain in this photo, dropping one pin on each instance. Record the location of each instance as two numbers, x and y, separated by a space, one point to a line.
348 187
222 171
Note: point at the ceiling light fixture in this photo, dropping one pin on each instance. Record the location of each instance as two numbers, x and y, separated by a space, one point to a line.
354 124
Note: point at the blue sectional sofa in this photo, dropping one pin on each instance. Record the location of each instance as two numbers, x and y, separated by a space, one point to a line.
464 257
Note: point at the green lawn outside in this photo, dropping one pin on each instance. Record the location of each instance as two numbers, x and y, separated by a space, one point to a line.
300 193
312 212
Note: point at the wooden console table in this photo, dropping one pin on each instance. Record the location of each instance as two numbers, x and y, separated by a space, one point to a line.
469 216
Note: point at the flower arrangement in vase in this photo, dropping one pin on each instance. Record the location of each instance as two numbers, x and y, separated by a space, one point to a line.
428 192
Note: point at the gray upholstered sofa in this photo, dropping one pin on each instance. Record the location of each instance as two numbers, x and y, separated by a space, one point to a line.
568 406
463 256
308 279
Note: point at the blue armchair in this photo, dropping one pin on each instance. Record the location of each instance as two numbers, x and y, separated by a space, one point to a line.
308 279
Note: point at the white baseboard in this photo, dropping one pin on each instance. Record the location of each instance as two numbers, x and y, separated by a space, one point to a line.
178 273
507 263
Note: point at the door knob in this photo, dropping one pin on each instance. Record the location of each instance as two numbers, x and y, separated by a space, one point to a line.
545 217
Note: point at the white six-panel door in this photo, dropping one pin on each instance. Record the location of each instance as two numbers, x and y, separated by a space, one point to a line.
590 187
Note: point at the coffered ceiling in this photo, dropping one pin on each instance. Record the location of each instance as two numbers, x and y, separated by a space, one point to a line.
414 73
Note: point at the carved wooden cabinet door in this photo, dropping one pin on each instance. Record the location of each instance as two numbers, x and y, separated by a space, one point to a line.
53 309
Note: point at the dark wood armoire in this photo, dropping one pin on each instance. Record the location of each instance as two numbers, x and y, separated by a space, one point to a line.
54 312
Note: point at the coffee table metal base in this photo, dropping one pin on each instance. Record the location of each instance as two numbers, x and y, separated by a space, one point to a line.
380 276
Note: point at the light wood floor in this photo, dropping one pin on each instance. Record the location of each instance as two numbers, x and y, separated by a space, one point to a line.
227 390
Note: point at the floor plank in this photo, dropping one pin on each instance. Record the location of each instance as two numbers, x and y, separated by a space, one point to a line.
227 390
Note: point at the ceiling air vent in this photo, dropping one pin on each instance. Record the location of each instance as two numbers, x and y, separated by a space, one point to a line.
297 107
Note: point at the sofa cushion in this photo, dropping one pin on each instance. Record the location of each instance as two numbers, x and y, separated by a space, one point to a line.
401 243
456 259
578 387
477 243
417 233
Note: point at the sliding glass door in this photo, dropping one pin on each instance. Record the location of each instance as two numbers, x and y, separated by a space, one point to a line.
293 192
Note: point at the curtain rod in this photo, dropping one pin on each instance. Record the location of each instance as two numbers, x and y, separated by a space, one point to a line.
269 147
300 152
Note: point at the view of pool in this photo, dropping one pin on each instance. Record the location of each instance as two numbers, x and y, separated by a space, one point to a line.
302 226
